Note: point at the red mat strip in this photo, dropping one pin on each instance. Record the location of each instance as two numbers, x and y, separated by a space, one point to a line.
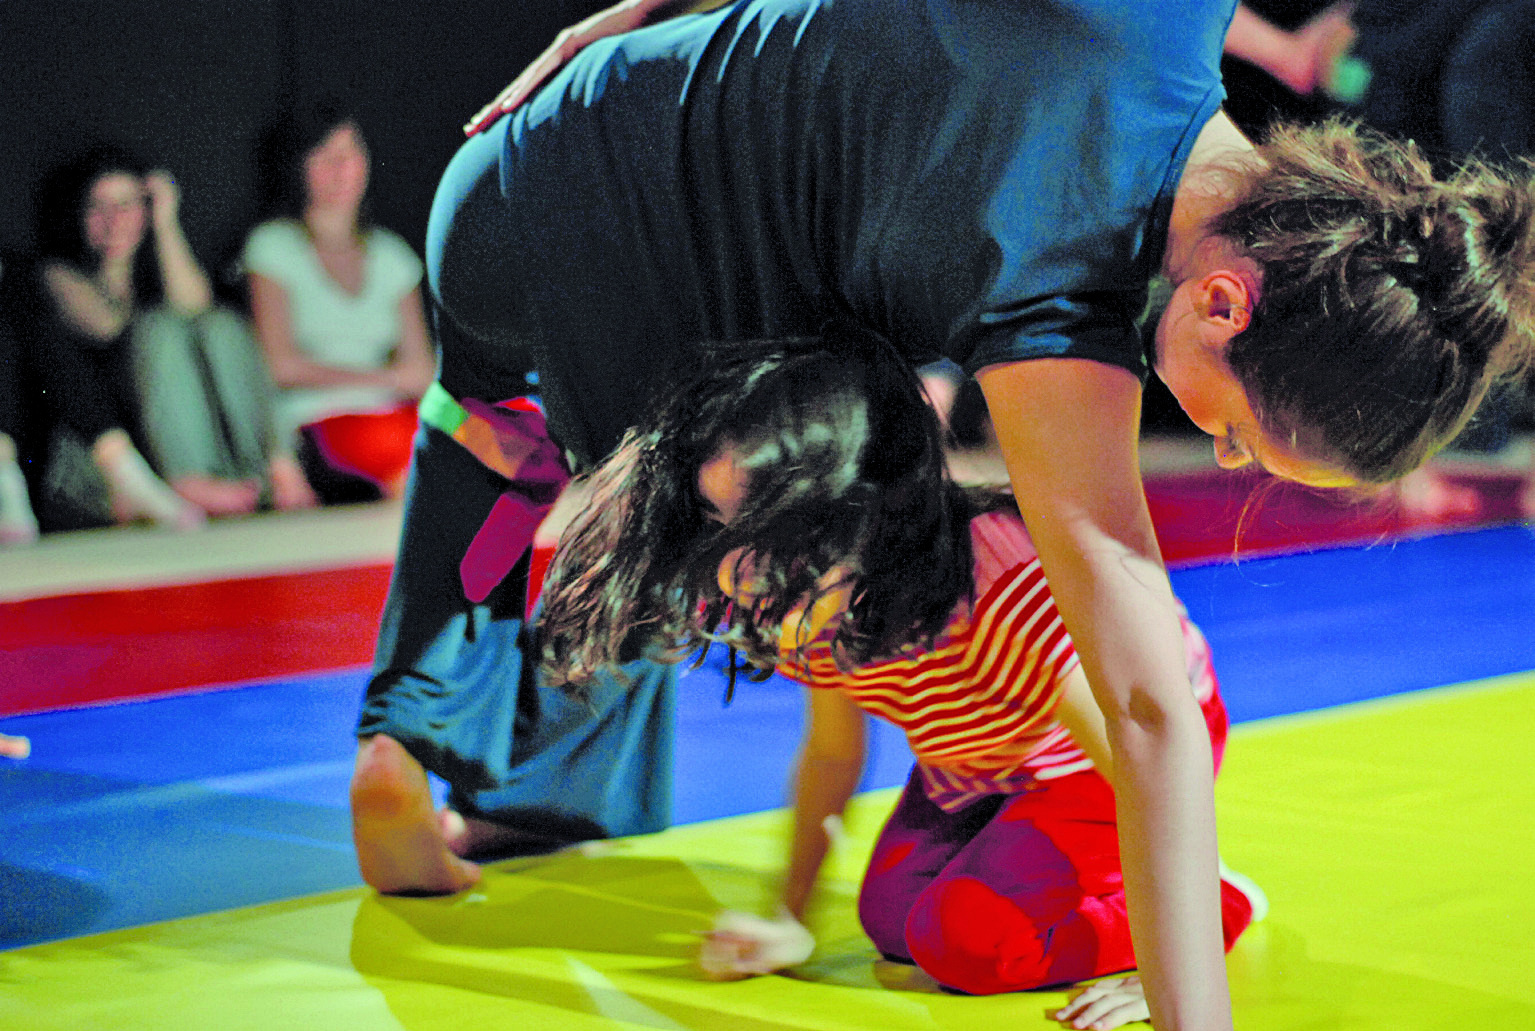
98 647
1211 516
80 649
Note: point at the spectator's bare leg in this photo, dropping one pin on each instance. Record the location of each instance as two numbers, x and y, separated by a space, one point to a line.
134 489
18 525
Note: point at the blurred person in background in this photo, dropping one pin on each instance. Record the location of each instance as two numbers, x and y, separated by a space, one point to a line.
336 302
159 406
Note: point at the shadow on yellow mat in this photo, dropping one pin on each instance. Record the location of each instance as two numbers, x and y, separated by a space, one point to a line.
1393 839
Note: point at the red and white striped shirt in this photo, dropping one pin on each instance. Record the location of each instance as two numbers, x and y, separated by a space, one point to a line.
978 707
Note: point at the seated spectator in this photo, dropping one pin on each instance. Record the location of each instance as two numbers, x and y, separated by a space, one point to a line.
157 401
338 312
18 524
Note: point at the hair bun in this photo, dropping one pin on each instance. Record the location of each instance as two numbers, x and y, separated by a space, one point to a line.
1483 246
1392 297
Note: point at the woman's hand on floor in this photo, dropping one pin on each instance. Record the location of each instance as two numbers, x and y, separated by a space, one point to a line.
1107 1004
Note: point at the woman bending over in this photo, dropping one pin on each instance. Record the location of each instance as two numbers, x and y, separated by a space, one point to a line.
995 181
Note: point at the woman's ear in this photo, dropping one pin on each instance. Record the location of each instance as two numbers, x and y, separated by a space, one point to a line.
1225 298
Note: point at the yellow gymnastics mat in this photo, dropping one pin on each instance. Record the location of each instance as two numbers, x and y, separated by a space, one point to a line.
1394 839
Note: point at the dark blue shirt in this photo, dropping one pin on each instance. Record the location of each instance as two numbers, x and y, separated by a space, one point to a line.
987 180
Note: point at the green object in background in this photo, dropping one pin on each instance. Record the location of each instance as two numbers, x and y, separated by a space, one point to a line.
1348 80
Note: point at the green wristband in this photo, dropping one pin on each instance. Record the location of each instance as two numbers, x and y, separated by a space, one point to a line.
441 411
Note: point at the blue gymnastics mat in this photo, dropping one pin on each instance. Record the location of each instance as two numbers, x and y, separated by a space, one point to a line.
146 811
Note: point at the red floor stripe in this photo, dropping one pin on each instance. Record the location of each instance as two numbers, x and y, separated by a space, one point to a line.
1214 515
83 648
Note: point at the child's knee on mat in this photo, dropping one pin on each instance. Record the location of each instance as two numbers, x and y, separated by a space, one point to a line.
970 938
883 916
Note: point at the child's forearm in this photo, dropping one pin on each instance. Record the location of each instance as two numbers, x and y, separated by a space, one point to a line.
822 787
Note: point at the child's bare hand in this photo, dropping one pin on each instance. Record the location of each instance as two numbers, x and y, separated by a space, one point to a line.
742 945
1107 1004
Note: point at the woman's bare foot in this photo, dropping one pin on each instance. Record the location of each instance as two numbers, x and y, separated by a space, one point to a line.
134 491
218 497
16 533
290 487
401 847
13 747
18 525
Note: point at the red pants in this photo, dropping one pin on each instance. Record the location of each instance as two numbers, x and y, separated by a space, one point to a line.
1014 891
373 445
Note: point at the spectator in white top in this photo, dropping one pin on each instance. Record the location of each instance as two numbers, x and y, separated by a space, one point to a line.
338 312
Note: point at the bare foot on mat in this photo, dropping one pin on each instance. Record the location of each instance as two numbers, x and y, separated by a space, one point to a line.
401 847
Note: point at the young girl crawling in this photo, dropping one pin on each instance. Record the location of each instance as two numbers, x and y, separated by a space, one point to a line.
798 500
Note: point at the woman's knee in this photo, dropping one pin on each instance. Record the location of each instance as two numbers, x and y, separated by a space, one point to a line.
162 332
224 331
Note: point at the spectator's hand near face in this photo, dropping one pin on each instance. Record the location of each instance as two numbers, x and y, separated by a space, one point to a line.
164 197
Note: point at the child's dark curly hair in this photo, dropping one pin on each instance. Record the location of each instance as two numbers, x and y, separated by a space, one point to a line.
845 470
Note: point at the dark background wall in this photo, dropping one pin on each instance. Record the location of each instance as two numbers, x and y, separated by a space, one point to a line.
191 85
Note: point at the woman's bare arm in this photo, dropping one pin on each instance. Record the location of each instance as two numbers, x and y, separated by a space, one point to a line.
1301 59
83 305
186 285
415 363
289 366
1068 429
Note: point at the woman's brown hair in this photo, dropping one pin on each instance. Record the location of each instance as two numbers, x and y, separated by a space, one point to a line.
1390 299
